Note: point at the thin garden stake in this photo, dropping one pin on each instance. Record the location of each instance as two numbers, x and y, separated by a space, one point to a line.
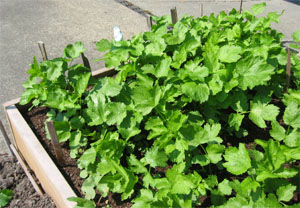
43 50
201 10
241 6
149 22
174 15
55 143
288 70
6 139
85 61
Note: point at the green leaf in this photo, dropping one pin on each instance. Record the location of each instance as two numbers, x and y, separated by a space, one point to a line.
260 112
238 160
253 72
128 180
136 165
74 51
274 17
235 120
197 92
130 125
156 48
211 181
156 127
110 147
258 8
77 122
82 203
115 113
54 69
163 67
144 199
285 193
200 159
293 139
88 157
291 115
94 114
34 68
5 196
63 130
156 157
271 201
103 45
75 142
89 185
214 152
273 153
108 86
181 184
224 187
230 54
296 36
217 198
291 153
277 132
82 83
145 99
28 95
178 34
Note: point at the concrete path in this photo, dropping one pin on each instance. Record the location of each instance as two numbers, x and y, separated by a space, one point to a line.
289 21
58 23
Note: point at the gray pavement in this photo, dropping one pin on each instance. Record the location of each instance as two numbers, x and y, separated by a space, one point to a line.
58 23
289 21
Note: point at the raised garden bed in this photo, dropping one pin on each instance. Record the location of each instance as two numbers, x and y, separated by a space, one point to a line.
30 139
204 112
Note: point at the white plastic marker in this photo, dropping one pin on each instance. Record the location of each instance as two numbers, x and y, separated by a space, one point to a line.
117 34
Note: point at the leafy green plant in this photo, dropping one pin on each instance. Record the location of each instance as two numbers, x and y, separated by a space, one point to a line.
196 115
5 196
56 84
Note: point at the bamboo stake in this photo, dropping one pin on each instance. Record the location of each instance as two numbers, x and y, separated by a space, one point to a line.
174 15
85 61
55 143
241 6
149 22
43 50
201 10
288 70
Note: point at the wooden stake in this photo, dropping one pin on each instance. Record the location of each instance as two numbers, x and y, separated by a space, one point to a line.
85 61
241 6
201 10
43 50
55 143
149 22
288 70
174 15
26 170
6 139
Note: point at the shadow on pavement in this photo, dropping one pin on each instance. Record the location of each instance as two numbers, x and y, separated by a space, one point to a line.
294 1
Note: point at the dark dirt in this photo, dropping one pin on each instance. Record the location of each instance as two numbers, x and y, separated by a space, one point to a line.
12 177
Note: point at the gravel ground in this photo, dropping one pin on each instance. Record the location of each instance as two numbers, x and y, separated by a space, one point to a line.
13 177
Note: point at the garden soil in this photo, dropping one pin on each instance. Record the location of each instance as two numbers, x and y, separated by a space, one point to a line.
13 177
